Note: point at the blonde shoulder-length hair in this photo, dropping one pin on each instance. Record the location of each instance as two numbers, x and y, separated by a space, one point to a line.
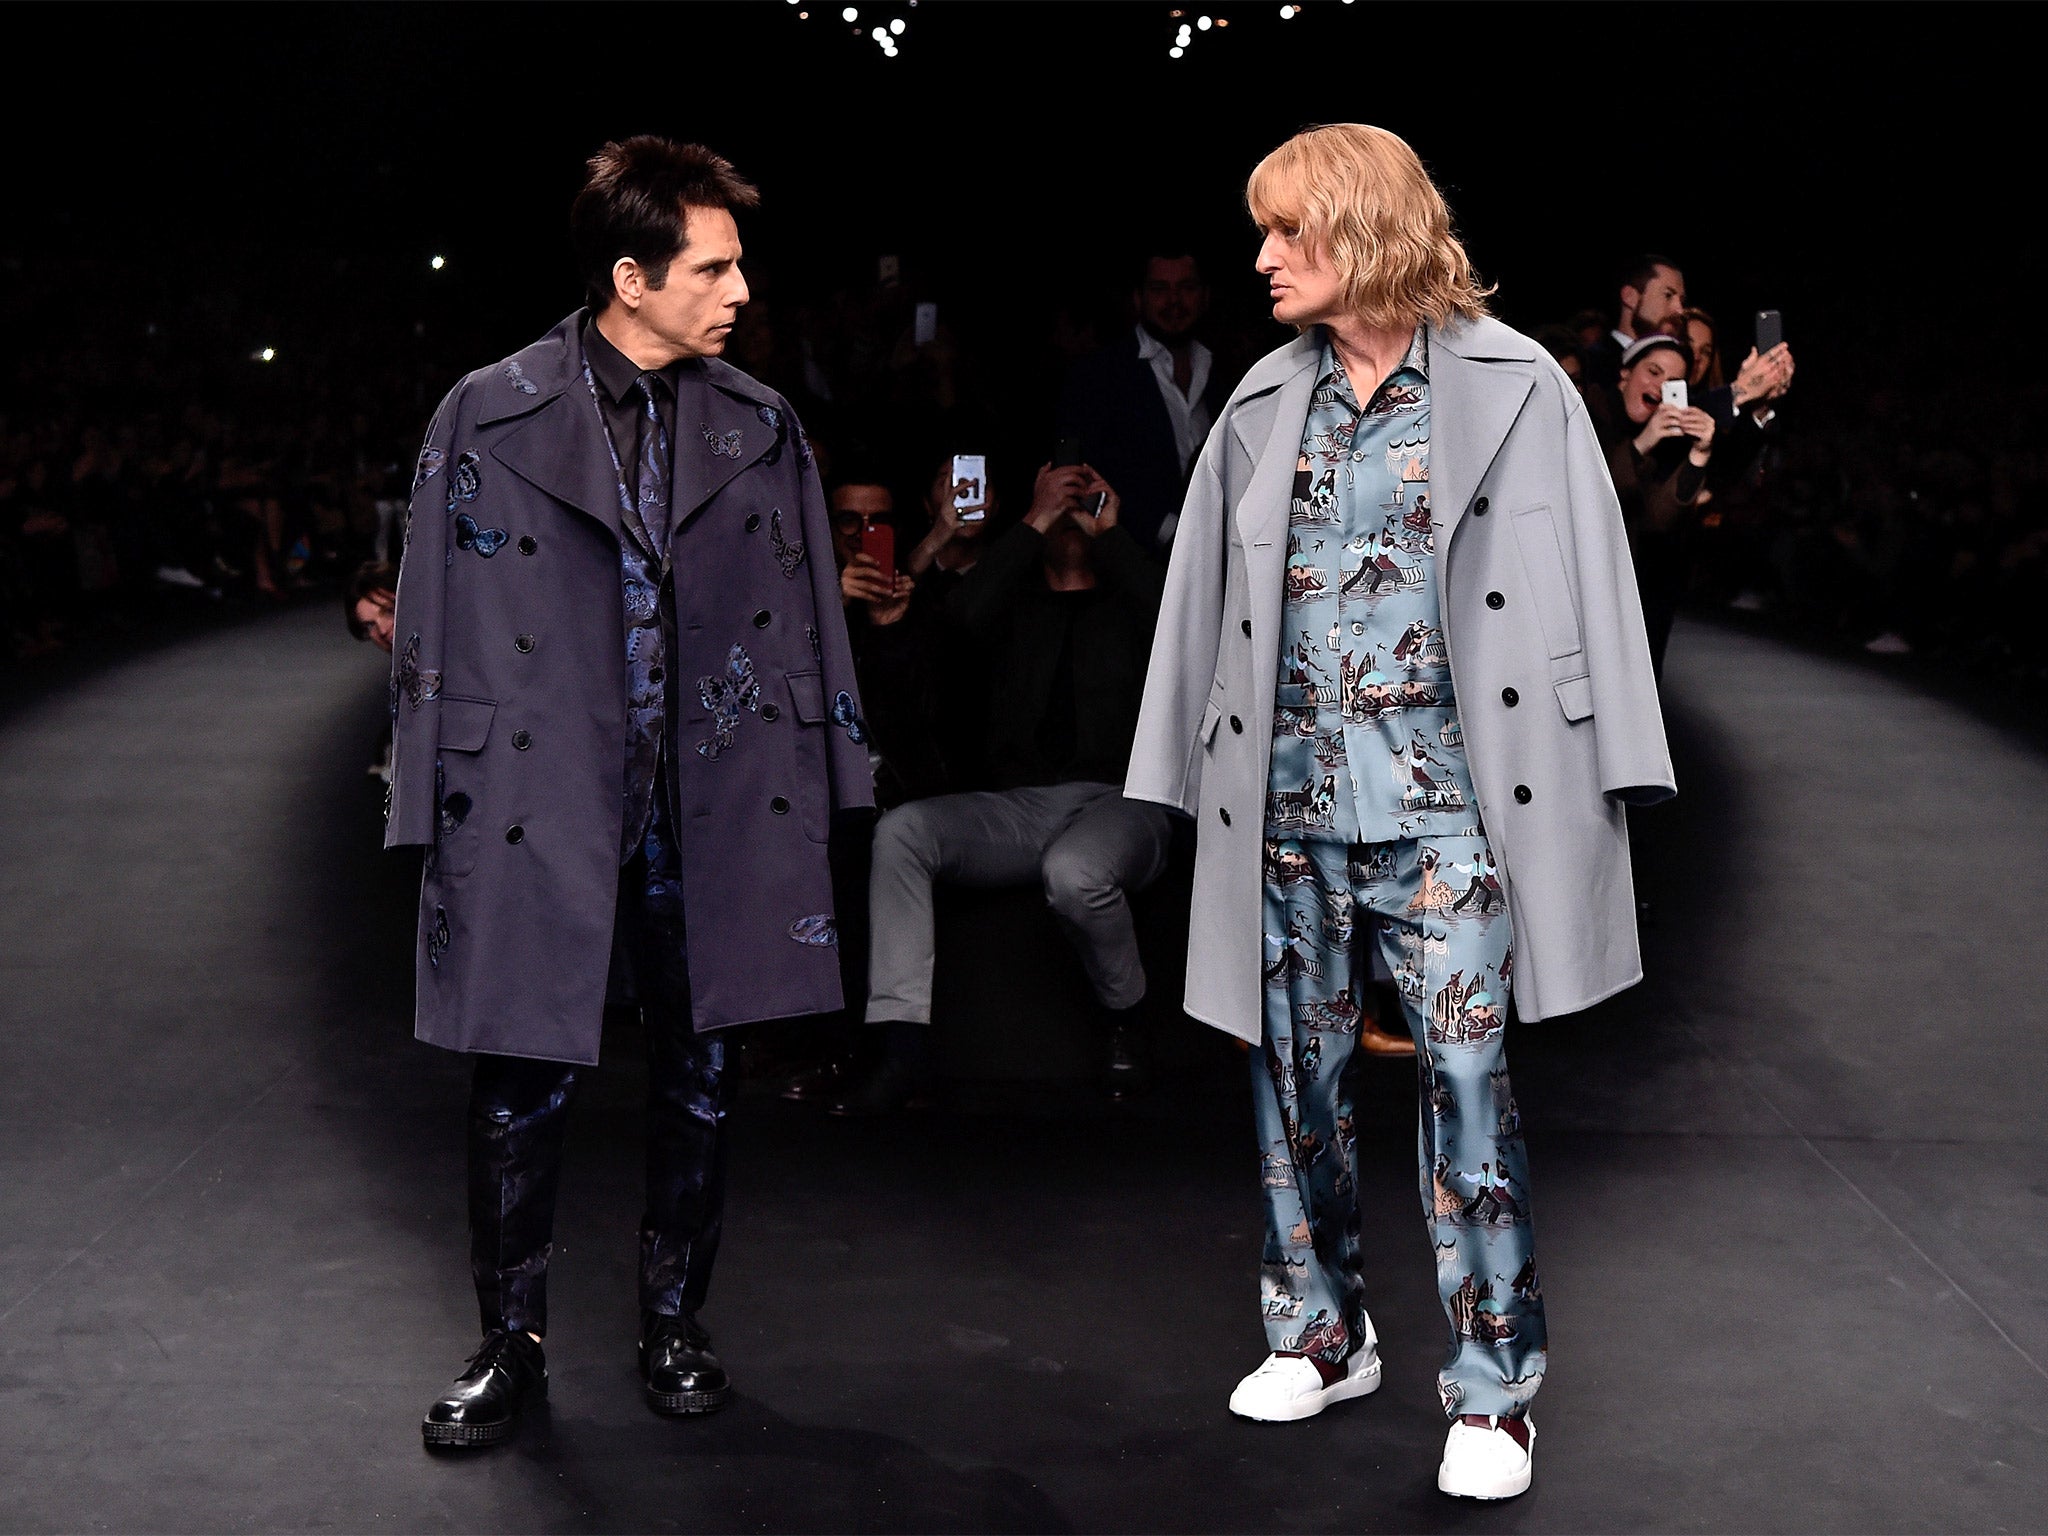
1361 200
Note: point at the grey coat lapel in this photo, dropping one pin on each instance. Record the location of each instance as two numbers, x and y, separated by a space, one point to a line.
559 447
719 432
1475 394
1269 428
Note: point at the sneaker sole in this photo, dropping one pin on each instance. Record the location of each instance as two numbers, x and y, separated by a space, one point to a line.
680 1404
1505 1488
1362 1385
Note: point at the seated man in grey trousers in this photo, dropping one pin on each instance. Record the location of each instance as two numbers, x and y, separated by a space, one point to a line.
1059 610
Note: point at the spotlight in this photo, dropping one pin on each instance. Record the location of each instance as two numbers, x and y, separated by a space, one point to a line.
896 26
267 355
851 13
1286 13
438 263
1204 23
1174 53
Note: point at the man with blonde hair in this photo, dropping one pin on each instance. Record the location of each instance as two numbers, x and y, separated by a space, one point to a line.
1492 708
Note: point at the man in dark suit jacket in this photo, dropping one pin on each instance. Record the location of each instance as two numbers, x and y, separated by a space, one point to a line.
1651 300
1142 407
624 714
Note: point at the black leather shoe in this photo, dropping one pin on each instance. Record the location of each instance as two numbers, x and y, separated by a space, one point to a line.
507 1374
1123 1070
677 1367
891 1088
826 1081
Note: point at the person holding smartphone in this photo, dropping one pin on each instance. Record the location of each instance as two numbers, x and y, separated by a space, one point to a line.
1658 452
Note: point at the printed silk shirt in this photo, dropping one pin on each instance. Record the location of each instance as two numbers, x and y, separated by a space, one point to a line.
1366 742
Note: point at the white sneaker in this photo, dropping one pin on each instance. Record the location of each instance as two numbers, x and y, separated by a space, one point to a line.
1484 1461
1289 1387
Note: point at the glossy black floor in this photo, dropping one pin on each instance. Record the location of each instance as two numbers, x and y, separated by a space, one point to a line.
1790 1192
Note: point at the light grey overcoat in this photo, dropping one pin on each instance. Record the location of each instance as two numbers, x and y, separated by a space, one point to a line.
1548 661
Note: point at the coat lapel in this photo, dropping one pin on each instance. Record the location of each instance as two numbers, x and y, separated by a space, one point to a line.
560 447
719 432
1270 430
1473 402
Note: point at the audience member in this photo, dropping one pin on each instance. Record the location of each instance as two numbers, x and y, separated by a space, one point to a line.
1140 409
1651 300
1059 612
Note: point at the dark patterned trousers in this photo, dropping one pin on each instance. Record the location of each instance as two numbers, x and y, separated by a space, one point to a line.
519 1111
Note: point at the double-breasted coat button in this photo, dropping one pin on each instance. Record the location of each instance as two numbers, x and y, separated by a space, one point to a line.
1224 812
753 522
1521 794
1495 600
1509 697
1237 725
523 644
779 806
770 713
521 740
655 674
527 544
514 833
1246 626
761 619
1479 507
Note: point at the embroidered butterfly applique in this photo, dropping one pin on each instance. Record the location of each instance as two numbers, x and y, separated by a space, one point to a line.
485 541
416 682
519 381
818 930
437 938
817 650
468 478
725 697
773 419
787 555
847 713
431 459
725 443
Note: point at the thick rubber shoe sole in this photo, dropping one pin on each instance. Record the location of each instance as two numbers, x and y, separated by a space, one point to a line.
679 1403
466 1436
1364 1384
1499 1488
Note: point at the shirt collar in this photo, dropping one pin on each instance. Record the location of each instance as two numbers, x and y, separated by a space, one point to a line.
1416 358
1150 347
617 374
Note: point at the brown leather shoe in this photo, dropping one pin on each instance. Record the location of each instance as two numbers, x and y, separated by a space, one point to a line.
1375 1041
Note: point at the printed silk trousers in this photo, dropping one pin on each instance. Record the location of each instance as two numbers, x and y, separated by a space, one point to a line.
1442 924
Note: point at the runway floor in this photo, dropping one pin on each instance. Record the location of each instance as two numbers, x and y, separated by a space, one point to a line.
1790 1193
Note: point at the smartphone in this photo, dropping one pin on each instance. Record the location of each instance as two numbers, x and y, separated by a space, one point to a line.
1770 330
970 486
878 543
1094 504
1674 393
924 328
1067 454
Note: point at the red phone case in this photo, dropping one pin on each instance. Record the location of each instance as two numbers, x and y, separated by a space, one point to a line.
878 543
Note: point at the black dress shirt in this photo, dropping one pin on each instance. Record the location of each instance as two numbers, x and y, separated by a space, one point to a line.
618 396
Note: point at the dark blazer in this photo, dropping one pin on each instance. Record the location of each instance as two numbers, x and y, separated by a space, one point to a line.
1112 403
509 706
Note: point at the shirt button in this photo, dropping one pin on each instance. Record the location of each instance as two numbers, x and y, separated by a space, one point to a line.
779 806
1509 697
761 619
1358 455
514 833
527 544
523 644
1522 795
1246 626
753 522
1357 628
1237 725
521 740
1224 812
1495 600
770 713
1479 507
655 674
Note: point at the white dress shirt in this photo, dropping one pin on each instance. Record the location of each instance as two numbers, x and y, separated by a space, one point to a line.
1190 417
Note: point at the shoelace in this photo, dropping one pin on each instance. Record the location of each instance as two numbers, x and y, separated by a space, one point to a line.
495 1343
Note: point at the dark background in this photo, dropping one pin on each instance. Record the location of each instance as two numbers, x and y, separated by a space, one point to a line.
248 176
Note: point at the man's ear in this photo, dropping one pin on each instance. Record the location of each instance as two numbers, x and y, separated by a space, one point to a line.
629 283
1631 299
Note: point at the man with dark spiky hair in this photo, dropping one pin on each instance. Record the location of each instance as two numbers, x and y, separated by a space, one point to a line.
624 714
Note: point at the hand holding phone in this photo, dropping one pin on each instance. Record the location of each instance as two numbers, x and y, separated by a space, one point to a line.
1770 330
1674 393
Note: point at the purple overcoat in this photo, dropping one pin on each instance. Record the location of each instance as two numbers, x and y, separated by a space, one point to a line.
509 701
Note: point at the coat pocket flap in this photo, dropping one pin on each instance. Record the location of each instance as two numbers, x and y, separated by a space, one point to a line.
465 723
807 696
1575 697
1210 717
